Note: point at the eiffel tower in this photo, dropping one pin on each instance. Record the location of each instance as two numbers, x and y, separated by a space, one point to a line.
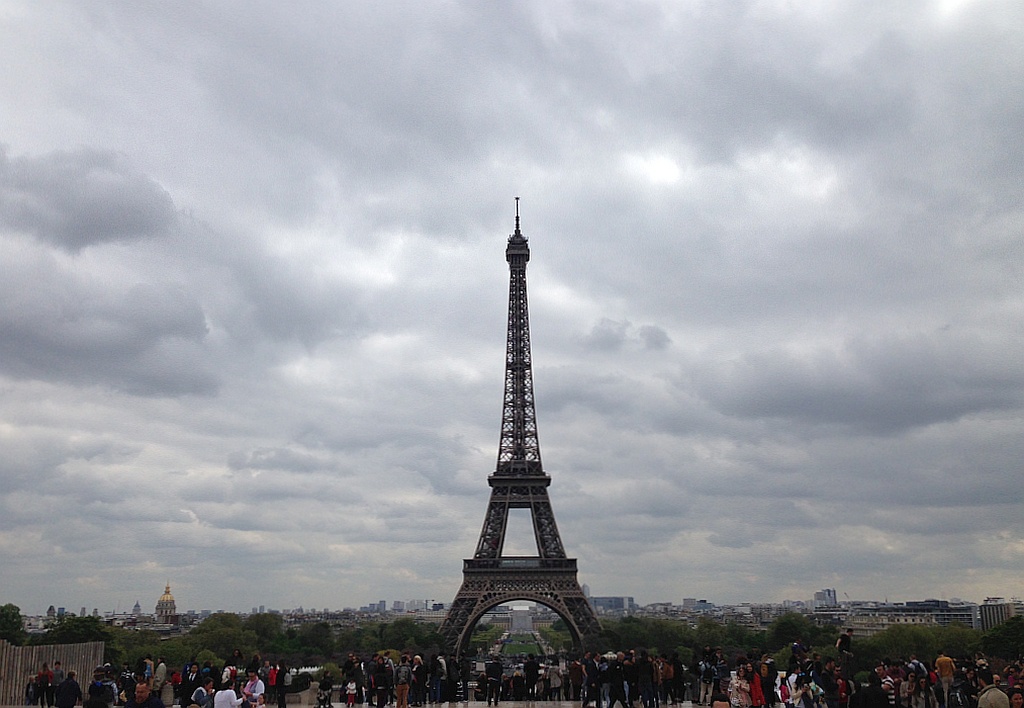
491 578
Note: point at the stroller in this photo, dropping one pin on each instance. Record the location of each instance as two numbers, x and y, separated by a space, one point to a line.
323 692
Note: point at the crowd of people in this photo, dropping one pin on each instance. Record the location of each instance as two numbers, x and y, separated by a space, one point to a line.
813 681
631 679
239 682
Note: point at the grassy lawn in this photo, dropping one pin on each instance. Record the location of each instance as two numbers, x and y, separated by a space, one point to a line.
521 644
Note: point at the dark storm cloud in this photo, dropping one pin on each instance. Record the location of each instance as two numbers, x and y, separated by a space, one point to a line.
59 324
77 199
654 337
881 385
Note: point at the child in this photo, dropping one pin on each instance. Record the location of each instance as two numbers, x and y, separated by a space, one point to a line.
350 692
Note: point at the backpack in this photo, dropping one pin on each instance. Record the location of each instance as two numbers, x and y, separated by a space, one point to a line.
957 699
403 674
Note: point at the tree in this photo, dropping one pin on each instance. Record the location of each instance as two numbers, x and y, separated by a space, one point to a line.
898 641
958 639
11 627
267 626
655 635
133 645
78 630
789 628
315 639
222 633
709 633
1006 640
402 634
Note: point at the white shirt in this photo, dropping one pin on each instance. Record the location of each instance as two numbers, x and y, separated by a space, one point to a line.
226 698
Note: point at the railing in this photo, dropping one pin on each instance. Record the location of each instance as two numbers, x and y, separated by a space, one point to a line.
519 563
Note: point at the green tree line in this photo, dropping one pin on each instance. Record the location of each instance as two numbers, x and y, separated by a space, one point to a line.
217 637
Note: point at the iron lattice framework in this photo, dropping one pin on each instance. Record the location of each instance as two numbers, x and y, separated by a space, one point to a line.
519 482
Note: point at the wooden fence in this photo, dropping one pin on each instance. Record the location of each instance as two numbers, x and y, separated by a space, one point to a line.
17 664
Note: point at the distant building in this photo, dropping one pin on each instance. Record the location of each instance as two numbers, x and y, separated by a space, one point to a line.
522 619
994 611
166 609
871 618
825 598
137 610
612 605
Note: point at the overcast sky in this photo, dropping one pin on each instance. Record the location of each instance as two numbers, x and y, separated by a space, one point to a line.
254 296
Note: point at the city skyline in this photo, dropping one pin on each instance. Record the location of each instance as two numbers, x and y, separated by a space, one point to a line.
253 312
819 598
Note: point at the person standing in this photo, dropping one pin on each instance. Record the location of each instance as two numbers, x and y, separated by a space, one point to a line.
254 687
844 646
58 677
554 682
706 671
826 679
99 689
403 681
575 680
264 673
531 672
189 682
44 686
284 682
438 677
722 675
381 681
227 698
68 692
644 681
617 681
493 669
990 695
419 681
272 682
946 670
591 683
159 676
739 688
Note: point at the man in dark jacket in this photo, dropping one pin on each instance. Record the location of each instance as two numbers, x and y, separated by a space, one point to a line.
827 681
143 697
493 670
69 693
531 672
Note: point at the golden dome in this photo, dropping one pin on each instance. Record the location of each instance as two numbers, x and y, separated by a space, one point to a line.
167 596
